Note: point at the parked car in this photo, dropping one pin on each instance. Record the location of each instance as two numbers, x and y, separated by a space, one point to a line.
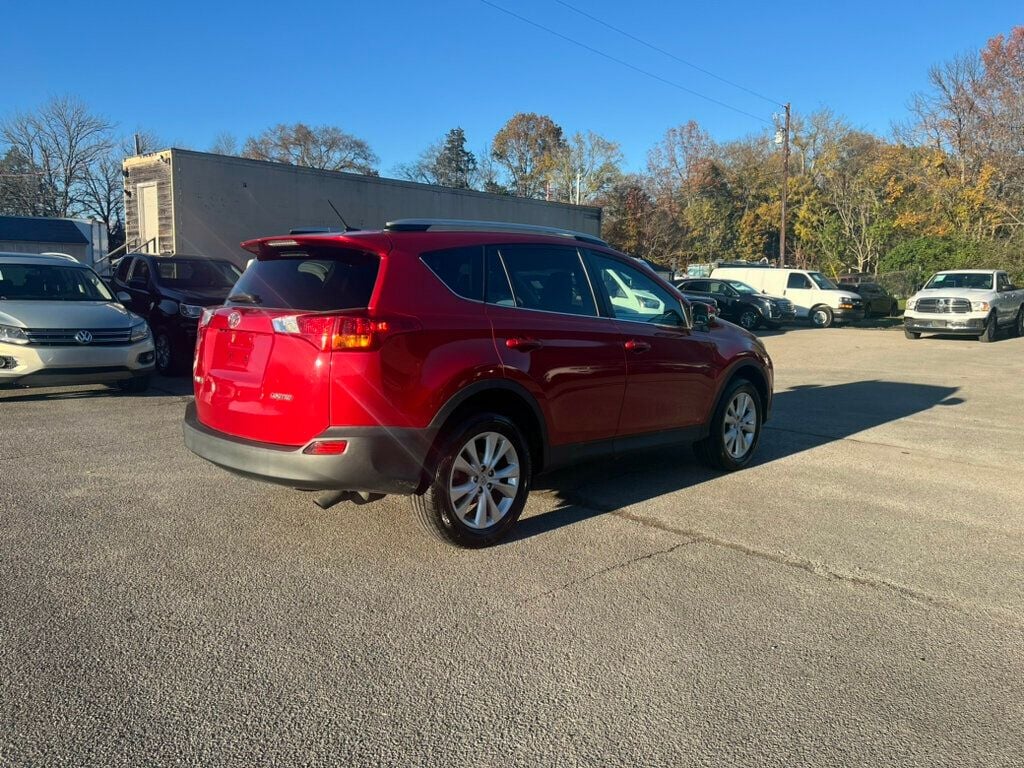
171 292
969 302
59 324
742 304
877 300
813 295
454 361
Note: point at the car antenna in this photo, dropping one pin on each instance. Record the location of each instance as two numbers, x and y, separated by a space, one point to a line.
345 223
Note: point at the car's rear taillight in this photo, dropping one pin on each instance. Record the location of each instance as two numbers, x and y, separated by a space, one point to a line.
342 332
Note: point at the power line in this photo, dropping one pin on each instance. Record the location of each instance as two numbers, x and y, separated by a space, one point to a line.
626 63
672 56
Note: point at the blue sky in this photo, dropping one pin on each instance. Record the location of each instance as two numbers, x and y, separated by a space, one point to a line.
399 73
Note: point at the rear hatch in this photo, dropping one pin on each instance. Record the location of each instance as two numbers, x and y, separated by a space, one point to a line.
263 362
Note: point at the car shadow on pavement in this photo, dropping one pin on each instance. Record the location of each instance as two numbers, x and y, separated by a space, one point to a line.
161 386
803 418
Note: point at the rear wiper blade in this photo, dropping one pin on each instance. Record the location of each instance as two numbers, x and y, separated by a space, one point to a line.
245 298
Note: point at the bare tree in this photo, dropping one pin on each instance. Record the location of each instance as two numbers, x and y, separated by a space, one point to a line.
325 147
224 144
63 141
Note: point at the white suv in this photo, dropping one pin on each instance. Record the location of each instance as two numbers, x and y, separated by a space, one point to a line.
59 324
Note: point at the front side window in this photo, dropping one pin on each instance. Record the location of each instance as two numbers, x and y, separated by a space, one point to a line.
1002 281
42 282
121 273
635 297
140 272
721 289
461 269
545 278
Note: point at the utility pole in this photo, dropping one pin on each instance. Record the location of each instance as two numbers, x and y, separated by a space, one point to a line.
785 189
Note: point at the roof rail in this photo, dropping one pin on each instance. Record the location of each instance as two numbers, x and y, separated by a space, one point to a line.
466 225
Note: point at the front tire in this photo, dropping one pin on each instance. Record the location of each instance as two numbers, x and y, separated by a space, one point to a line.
911 334
167 362
1018 327
749 319
479 482
821 316
735 428
991 331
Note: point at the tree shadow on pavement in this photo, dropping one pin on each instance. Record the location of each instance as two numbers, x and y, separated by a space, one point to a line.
802 418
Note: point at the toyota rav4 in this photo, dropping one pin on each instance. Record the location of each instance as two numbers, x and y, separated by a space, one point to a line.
454 361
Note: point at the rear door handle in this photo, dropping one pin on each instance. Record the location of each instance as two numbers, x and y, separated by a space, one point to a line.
523 345
637 346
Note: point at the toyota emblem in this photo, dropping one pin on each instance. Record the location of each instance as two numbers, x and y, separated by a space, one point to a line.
83 337
234 319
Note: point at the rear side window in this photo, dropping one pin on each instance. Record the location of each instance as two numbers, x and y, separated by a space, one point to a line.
548 279
697 286
461 269
317 280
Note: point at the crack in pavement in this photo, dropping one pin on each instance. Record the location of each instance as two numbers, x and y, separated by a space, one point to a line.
817 569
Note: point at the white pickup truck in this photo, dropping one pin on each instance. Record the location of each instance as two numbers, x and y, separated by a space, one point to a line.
969 302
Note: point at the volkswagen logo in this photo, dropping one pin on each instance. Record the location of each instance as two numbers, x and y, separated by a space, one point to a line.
234 319
83 337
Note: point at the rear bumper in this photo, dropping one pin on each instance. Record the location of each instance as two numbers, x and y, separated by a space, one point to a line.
377 459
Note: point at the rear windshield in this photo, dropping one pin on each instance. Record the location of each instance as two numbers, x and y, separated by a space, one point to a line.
317 281
195 273
43 282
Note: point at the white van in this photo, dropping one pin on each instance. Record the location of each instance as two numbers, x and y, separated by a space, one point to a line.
814 296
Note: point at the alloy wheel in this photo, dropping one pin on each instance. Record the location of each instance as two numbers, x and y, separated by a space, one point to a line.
163 352
484 480
739 425
748 320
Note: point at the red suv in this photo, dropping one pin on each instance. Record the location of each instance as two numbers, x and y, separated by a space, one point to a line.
454 361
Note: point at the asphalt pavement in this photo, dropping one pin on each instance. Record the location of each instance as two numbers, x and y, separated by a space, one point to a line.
856 598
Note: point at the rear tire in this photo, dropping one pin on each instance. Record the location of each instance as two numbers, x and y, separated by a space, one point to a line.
1018 327
735 428
476 502
991 331
821 316
894 309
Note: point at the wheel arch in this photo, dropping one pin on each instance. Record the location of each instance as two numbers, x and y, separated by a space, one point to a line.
496 396
747 369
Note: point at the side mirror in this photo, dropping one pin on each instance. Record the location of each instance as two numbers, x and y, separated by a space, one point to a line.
123 297
701 316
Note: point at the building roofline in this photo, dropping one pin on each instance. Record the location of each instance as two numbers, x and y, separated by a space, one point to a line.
359 177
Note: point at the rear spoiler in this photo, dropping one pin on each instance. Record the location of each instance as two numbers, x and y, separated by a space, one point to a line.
377 243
